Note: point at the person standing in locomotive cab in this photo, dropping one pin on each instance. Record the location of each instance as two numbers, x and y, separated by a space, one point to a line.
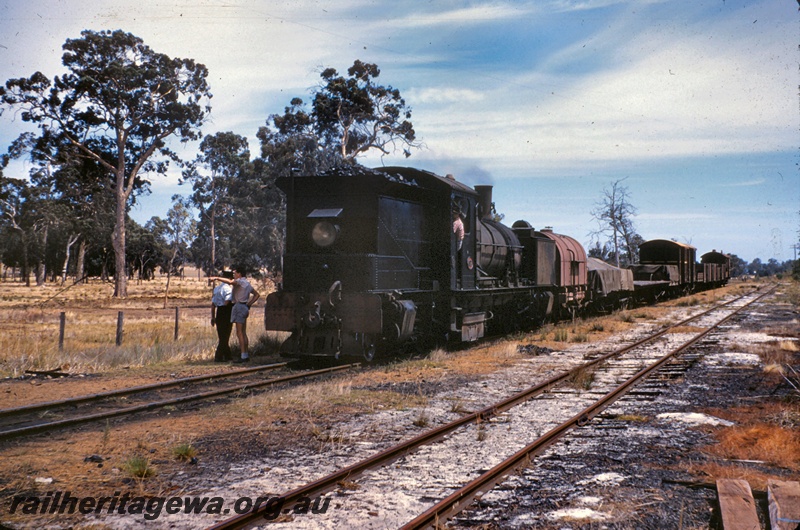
458 233
221 305
244 296
458 227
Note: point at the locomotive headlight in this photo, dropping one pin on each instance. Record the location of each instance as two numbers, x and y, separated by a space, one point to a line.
324 233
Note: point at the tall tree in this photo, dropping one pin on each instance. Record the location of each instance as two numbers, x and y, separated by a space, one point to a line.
614 215
176 231
348 117
259 218
738 266
122 99
224 156
357 114
48 154
13 223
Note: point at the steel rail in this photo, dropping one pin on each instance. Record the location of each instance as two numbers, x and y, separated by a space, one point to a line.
42 427
27 409
393 453
461 498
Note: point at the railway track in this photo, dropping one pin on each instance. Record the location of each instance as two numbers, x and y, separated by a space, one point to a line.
53 415
615 374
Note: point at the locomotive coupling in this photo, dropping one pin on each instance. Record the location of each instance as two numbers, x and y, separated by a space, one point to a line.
313 318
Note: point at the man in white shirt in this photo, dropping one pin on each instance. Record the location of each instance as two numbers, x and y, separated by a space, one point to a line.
221 305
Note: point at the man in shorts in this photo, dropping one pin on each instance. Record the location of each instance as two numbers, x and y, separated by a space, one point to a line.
243 297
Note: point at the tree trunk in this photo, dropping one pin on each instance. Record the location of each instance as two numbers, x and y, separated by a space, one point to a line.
81 260
71 241
213 242
39 273
118 240
26 271
169 274
41 265
213 218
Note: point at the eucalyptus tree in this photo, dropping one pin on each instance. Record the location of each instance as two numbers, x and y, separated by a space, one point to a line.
118 98
614 215
223 157
348 117
52 185
357 114
13 223
289 145
175 232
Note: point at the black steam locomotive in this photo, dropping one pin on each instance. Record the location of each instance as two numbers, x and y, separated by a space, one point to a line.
372 265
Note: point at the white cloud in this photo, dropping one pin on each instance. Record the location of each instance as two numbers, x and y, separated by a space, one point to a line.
478 14
441 95
673 216
745 184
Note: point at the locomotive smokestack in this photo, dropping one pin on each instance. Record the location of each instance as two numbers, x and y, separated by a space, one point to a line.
485 201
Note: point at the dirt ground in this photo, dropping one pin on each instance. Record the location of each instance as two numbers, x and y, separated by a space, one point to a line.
97 459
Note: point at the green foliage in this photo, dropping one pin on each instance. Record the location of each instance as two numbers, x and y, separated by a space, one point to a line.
184 452
738 266
83 181
139 467
357 115
224 157
348 117
115 87
771 268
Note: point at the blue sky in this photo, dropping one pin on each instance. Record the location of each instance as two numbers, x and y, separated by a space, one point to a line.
694 103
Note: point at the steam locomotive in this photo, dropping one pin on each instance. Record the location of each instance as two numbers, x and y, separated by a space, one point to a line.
372 265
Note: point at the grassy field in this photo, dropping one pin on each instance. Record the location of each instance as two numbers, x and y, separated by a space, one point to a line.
30 323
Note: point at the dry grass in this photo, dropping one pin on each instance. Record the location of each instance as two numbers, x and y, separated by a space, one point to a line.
480 360
712 471
582 379
312 402
30 319
767 432
789 345
311 412
778 357
790 293
594 329
693 330
762 441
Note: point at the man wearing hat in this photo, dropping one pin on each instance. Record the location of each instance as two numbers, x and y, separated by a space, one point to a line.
221 305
